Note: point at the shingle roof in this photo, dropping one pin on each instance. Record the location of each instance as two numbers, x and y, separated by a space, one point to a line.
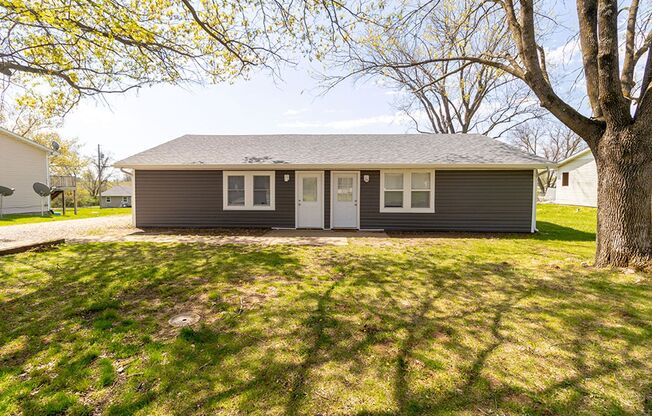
332 149
118 190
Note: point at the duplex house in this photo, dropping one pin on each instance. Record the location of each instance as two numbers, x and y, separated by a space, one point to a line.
370 181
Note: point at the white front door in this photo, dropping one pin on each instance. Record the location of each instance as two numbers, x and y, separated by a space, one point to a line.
310 200
345 200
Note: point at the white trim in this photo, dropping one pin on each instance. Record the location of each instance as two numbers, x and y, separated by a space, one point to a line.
338 166
249 190
25 140
575 156
357 197
296 196
534 201
407 191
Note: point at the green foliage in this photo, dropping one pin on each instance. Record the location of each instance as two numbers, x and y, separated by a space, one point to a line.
58 51
432 324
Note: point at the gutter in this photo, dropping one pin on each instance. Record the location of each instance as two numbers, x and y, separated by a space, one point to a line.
326 166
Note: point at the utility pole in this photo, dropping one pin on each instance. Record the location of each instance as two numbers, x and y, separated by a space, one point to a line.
99 176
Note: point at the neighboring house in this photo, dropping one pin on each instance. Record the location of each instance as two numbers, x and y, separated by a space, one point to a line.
374 181
577 180
22 162
116 197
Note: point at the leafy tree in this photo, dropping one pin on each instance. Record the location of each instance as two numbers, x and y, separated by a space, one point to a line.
68 160
54 52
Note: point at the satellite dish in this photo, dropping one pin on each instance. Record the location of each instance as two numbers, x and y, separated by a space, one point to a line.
55 146
41 189
4 191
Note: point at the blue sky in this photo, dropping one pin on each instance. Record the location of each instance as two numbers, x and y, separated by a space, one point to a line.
135 122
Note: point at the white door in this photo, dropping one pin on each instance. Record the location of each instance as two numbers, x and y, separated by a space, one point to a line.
345 200
310 200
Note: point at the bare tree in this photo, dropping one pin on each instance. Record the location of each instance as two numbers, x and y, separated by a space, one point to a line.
619 129
444 96
553 142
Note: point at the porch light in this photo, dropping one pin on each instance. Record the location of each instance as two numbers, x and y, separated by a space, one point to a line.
286 177
365 178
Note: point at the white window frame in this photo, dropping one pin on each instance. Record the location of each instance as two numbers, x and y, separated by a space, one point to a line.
407 191
107 199
125 199
249 191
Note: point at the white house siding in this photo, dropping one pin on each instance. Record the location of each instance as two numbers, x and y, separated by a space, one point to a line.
582 186
21 164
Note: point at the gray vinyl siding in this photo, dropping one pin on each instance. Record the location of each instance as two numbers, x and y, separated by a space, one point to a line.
194 199
464 201
116 202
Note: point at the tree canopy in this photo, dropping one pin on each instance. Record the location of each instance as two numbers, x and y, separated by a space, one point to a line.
54 52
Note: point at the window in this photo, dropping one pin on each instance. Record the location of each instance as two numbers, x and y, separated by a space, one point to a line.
345 189
125 199
248 190
310 192
564 179
407 191
108 199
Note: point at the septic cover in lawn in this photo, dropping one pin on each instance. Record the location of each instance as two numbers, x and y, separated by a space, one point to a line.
184 319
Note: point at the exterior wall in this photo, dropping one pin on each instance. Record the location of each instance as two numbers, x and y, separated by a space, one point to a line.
477 200
194 199
464 201
20 166
582 186
116 202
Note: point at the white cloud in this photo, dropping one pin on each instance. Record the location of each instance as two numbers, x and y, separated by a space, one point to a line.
293 113
564 54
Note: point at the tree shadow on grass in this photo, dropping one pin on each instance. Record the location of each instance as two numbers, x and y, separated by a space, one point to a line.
291 330
551 231
546 231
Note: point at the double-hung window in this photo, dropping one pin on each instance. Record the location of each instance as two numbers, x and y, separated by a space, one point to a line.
407 191
248 190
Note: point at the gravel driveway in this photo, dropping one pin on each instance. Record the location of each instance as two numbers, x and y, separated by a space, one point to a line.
18 235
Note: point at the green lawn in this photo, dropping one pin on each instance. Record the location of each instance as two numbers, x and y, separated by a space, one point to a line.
452 325
86 212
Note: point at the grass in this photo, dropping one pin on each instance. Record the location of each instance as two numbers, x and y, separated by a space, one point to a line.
85 212
465 325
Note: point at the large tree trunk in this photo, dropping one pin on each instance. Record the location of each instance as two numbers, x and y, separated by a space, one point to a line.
624 162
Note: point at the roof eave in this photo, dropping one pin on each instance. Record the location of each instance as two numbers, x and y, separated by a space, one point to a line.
333 166
575 156
25 140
